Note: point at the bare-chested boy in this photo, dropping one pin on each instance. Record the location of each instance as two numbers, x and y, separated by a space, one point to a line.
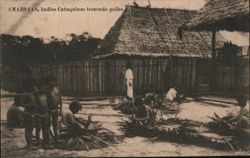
54 103
30 108
42 116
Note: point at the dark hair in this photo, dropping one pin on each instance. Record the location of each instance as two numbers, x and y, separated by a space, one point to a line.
151 88
241 100
177 88
17 100
50 79
138 102
75 106
29 83
40 83
128 65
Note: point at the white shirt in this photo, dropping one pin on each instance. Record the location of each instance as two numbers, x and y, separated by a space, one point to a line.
129 74
171 94
129 83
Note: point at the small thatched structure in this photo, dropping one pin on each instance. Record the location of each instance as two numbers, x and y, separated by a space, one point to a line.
230 15
153 32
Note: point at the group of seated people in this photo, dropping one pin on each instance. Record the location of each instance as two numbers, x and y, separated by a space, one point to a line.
173 95
144 112
145 109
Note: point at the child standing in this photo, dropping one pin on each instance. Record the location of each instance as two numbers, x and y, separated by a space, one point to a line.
54 103
30 108
42 116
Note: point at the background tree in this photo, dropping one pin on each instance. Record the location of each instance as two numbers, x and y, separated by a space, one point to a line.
27 51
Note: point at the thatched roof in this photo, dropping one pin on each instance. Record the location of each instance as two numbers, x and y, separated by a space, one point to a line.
152 32
230 15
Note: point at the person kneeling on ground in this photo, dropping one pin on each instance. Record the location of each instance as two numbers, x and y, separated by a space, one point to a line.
143 113
242 119
173 97
240 122
72 124
171 94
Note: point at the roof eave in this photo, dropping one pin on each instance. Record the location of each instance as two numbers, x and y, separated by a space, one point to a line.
228 24
153 55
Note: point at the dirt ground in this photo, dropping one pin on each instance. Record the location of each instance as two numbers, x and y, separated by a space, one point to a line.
13 142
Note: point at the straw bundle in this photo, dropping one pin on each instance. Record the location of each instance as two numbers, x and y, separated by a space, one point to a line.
94 138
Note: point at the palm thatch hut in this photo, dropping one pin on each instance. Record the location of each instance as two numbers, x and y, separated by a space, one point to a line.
230 15
148 38
152 32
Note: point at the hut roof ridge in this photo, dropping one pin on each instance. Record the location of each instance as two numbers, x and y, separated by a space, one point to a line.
141 30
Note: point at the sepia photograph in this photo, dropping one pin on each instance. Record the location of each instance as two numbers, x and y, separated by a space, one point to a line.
124 78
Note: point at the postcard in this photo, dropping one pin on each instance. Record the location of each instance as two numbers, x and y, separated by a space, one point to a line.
124 78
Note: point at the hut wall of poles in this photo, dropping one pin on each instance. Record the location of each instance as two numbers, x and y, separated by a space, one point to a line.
105 77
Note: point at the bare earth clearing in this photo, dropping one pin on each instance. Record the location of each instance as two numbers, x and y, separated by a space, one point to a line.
12 141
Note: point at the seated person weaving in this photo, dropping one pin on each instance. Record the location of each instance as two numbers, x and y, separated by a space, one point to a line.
143 113
72 124
239 122
242 119
151 98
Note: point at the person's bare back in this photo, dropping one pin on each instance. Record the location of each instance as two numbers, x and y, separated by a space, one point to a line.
42 102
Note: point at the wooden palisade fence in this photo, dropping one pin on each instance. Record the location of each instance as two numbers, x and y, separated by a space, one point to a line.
106 77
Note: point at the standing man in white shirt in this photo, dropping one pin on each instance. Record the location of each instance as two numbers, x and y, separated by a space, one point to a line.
129 81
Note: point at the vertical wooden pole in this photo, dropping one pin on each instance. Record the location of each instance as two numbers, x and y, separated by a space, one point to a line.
213 44
212 75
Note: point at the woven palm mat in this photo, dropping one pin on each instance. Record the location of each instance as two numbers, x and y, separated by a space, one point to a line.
181 131
173 108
